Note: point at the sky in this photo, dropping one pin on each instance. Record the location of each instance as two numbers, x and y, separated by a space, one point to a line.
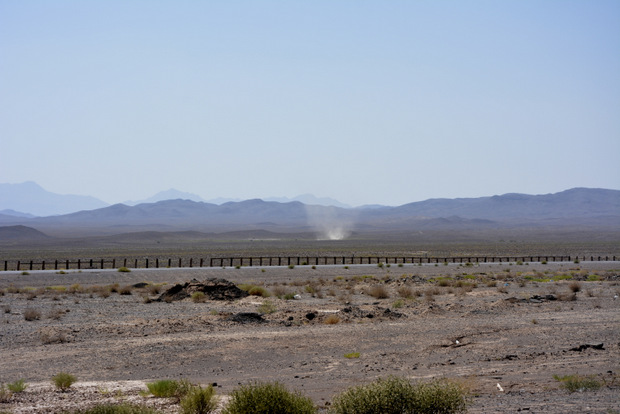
368 102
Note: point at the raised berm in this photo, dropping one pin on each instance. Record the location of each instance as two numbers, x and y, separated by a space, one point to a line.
214 289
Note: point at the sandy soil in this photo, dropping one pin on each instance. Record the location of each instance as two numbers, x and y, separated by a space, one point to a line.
509 333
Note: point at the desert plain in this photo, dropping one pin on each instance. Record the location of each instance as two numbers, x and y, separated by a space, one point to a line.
503 330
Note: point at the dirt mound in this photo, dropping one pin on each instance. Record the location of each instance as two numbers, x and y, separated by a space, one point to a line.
214 289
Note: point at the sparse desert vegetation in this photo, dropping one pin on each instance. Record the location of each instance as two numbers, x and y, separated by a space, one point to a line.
412 321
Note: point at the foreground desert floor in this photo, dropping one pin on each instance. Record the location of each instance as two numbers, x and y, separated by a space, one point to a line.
485 325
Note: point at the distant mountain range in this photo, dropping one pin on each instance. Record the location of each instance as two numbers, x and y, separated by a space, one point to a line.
30 199
576 207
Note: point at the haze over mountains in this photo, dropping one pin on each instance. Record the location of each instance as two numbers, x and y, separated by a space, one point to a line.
594 208
30 199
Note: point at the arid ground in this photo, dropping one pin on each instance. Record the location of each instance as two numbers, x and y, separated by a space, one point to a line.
491 326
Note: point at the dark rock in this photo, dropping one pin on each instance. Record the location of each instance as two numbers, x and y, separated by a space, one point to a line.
391 314
140 285
247 317
310 315
551 297
214 289
583 347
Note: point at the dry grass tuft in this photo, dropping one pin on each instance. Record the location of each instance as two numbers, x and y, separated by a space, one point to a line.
405 292
574 286
378 292
332 320
32 314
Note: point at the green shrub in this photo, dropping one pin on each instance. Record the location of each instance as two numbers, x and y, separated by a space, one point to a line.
577 382
124 269
391 395
17 386
259 291
199 401
198 297
63 381
118 409
291 266
440 396
267 398
169 388
267 307
396 395
352 355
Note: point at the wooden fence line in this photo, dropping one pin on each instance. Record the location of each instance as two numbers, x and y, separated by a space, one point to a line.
253 261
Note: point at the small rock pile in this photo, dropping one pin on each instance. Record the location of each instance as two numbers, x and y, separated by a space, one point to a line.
214 289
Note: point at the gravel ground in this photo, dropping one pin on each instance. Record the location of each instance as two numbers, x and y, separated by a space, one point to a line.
505 331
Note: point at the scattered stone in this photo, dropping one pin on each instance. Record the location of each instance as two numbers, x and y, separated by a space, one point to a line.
583 347
247 317
310 315
391 314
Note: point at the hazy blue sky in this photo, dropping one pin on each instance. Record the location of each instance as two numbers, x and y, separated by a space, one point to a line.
365 101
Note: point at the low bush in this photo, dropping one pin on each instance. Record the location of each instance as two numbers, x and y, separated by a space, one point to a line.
267 398
32 314
352 355
405 292
576 382
332 320
63 381
255 290
17 386
125 290
279 291
124 269
267 307
169 388
396 395
378 292
575 287
199 401
198 297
